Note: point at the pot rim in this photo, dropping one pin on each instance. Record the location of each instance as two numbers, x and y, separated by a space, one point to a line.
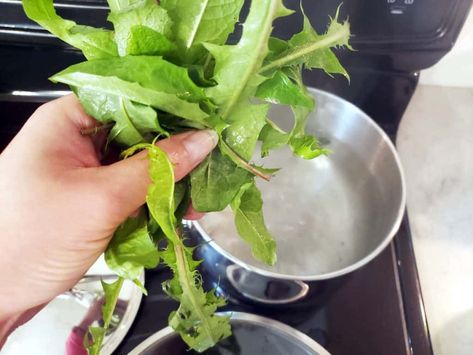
247 318
333 274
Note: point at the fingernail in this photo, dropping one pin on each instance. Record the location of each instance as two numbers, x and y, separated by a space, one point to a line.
200 143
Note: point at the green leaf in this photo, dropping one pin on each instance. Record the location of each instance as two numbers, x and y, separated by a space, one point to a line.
323 59
313 50
236 74
215 182
276 46
180 192
272 137
160 198
303 145
141 27
134 123
144 118
242 134
144 41
307 147
198 75
289 89
202 21
93 42
149 72
131 249
281 90
237 65
195 320
150 81
97 334
182 198
111 293
248 210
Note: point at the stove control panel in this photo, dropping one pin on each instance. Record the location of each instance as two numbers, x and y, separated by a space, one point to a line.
399 7
386 21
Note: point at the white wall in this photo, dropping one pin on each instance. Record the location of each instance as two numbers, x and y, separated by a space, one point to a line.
456 68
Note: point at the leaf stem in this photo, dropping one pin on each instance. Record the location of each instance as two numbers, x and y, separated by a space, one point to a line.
242 162
197 21
187 284
265 28
108 317
327 41
107 314
91 131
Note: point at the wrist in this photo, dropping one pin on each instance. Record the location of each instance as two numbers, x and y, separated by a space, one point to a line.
10 314
10 321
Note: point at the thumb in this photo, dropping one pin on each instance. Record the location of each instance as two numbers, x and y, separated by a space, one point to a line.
127 181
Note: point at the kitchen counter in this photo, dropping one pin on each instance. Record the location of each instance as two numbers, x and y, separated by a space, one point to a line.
435 142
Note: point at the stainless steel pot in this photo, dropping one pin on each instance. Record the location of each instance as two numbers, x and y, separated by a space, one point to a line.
329 216
251 334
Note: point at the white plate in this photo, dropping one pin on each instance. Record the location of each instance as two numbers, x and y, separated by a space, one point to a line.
49 330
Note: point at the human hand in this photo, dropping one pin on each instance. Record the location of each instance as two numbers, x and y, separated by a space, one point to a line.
60 207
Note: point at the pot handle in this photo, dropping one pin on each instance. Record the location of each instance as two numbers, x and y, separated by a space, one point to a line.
264 289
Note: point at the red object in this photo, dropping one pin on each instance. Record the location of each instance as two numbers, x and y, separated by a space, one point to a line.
75 342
